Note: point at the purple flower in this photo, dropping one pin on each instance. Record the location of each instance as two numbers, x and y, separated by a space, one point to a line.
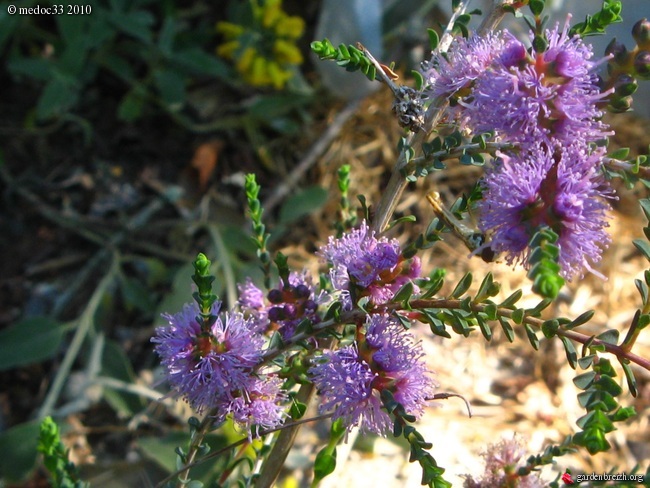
351 379
549 96
284 307
261 405
365 265
501 467
563 190
344 381
208 367
453 73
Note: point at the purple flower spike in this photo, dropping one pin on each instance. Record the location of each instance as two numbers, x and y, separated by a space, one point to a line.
344 381
206 367
466 60
367 265
351 379
562 190
550 97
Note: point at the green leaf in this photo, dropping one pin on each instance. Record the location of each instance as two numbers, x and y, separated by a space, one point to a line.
609 336
581 319
485 328
325 463
532 337
571 353
586 361
200 62
584 380
36 68
132 104
404 295
171 86
297 410
643 246
462 286
512 299
57 97
136 24
550 328
507 329
30 341
434 39
303 203
18 451
608 384
518 316
629 377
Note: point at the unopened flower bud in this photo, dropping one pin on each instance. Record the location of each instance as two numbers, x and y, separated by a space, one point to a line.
620 104
301 291
642 65
275 296
641 33
619 51
625 85
276 314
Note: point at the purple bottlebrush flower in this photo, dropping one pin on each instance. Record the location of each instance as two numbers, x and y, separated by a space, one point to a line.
284 307
208 366
351 379
550 97
367 265
563 190
501 467
453 73
261 405
344 382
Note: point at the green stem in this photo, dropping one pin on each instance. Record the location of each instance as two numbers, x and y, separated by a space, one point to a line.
85 322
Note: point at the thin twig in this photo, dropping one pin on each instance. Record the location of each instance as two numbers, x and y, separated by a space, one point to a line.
397 183
290 182
226 449
85 322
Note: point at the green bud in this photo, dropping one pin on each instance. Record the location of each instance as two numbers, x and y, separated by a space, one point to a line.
620 104
625 85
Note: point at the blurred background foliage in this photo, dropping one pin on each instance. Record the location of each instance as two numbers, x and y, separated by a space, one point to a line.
126 133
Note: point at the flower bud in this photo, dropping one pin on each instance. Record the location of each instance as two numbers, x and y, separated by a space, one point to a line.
619 51
625 85
302 291
275 296
642 65
620 104
641 33
276 314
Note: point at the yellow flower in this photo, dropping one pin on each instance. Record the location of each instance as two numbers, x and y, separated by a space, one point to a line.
258 61
291 27
285 52
230 30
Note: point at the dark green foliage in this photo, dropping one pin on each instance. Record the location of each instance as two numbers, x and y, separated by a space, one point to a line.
154 60
599 400
349 57
544 267
610 13
55 457
431 472
260 236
